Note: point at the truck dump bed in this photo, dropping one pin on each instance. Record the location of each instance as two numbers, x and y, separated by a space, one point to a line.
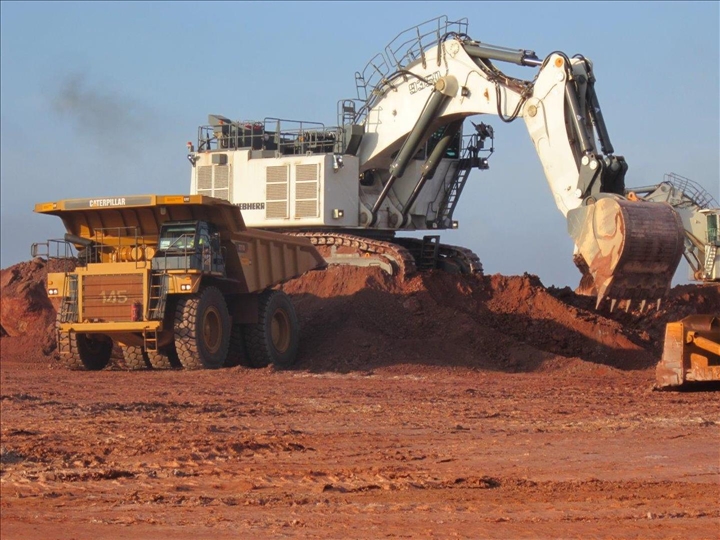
126 229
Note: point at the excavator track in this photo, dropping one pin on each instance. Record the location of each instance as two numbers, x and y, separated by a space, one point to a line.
403 256
341 248
452 259
468 258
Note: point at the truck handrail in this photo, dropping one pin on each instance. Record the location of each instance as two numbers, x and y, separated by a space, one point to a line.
56 249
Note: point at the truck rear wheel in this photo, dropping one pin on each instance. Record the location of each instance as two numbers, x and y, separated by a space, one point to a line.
165 358
202 330
274 338
135 358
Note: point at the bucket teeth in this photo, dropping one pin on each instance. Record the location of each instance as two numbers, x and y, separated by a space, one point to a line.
631 250
627 303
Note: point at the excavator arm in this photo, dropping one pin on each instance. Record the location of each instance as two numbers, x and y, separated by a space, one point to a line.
628 249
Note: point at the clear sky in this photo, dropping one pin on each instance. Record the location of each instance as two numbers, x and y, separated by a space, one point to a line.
99 99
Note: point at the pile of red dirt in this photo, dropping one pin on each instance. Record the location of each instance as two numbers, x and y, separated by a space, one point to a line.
361 318
27 317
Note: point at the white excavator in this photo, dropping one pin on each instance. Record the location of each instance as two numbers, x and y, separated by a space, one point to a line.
398 161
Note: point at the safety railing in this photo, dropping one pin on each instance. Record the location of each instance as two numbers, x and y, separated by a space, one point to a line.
473 154
119 244
408 46
231 136
110 244
285 137
56 250
692 190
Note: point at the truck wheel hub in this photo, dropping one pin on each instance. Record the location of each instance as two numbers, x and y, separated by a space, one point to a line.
280 330
212 330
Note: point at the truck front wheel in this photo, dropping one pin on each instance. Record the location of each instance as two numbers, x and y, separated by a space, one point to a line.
202 330
275 337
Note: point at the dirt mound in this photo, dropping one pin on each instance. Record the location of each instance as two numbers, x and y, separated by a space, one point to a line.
361 318
27 316
683 300
648 328
25 304
357 318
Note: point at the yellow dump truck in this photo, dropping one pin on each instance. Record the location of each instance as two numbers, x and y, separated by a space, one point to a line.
174 280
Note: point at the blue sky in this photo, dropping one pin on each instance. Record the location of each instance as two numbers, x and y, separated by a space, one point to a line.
100 99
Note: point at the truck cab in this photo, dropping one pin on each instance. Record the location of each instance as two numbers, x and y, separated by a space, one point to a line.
189 245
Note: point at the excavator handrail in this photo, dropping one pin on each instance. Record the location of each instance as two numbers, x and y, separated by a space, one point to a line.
397 54
694 191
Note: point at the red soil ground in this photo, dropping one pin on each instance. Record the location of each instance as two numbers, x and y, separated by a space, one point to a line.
434 406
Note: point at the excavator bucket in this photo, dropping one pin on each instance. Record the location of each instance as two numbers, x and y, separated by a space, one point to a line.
691 353
630 250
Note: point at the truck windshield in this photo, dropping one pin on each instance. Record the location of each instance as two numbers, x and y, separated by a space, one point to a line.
177 237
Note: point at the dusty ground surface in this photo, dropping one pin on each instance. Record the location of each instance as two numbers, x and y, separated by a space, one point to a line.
435 407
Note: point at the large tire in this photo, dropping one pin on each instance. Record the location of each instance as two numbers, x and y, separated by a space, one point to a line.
165 358
78 351
274 338
237 355
202 330
135 358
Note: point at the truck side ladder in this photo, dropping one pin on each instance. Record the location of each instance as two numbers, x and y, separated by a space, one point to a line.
158 295
69 306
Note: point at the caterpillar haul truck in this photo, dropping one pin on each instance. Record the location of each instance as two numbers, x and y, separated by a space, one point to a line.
175 280
398 161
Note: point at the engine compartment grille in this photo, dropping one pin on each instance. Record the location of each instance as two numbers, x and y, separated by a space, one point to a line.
110 298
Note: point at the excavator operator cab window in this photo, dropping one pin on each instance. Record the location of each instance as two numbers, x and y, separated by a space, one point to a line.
453 149
713 229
